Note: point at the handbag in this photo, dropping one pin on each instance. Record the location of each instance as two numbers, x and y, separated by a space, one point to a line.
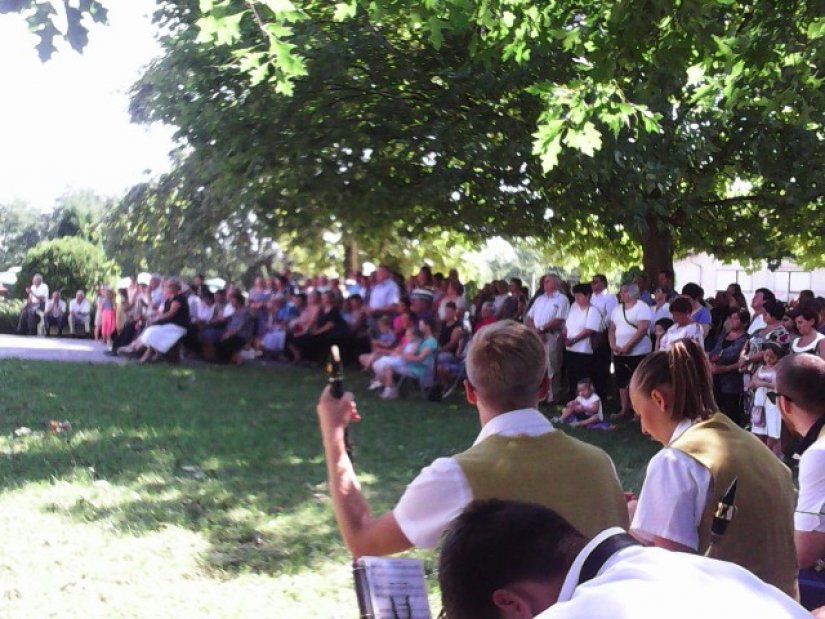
599 338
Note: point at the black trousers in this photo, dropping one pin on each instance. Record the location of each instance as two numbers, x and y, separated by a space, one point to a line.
579 365
731 405
601 371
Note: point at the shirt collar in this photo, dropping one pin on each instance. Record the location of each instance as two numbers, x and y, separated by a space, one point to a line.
680 429
811 436
526 421
571 581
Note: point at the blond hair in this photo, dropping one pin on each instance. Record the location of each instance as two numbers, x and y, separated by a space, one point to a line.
506 365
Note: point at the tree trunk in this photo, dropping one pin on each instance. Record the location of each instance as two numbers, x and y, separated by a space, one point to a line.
351 257
657 247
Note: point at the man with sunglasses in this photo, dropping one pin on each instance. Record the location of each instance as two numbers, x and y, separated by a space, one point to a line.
518 455
800 398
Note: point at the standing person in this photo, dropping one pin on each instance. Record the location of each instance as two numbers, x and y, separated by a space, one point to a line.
667 280
753 352
661 307
55 314
801 401
810 340
760 297
700 314
36 296
766 422
518 455
704 452
683 326
583 321
605 302
727 380
546 317
108 319
384 295
629 342
511 560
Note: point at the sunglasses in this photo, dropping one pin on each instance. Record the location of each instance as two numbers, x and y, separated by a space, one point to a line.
773 396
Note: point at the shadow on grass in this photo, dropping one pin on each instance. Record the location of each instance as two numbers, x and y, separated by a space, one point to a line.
234 455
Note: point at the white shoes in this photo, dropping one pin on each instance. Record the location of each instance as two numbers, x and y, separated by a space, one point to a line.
375 384
389 393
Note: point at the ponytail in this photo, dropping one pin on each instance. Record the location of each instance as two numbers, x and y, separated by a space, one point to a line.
684 368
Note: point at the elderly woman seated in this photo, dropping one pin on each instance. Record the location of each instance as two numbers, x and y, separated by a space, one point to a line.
167 328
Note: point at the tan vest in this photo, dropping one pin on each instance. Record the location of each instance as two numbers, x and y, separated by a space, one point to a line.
760 536
573 478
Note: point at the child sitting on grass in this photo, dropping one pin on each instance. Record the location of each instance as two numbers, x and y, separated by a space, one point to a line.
585 410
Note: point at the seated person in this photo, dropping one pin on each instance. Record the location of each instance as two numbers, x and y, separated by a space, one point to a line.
380 346
415 361
36 296
55 314
488 316
167 328
586 409
281 312
238 333
518 455
683 326
801 401
328 328
79 311
449 334
508 559
659 330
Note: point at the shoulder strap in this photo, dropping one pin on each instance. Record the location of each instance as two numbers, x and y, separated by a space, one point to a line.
624 313
602 553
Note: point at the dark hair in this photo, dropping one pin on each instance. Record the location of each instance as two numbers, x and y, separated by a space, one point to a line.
737 289
807 295
585 289
494 544
774 308
743 313
517 281
685 369
777 349
800 378
694 291
681 305
451 305
238 296
808 313
600 277
767 294
668 273
429 321
356 297
665 323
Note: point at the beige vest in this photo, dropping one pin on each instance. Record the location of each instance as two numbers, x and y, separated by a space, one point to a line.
760 536
573 478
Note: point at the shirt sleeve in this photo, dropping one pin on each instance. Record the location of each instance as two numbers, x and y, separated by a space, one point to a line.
563 308
673 498
432 501
593 320
811 492
643 313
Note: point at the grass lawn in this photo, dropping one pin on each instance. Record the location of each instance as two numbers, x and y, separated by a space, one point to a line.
200 492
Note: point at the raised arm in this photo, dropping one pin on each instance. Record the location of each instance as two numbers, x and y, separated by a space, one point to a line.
363 533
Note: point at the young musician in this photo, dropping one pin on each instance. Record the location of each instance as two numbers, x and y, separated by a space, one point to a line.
672 392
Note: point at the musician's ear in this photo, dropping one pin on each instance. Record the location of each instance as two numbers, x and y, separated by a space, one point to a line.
511 604
526 598
470 392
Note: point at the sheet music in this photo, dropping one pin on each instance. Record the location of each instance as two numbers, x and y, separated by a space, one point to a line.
397 588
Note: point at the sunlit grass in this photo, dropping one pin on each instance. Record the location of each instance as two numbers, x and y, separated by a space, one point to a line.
199 491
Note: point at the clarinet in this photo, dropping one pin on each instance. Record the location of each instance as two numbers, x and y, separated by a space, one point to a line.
722 517
335 369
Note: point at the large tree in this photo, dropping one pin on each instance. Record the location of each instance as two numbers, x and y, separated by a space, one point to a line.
690 125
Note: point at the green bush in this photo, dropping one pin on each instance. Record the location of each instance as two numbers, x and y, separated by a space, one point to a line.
67 264
9 314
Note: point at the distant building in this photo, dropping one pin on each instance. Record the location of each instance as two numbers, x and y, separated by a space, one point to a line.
786 280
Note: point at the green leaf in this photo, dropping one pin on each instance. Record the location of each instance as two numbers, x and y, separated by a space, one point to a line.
549 154
279 6
588 139
345 10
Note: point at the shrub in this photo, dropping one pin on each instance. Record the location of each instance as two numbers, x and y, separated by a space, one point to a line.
67 264
9 314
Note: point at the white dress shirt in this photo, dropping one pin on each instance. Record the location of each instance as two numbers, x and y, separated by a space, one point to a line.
809 506
674 495
605 302
39 293
384 294
83 308
650 583
441 491
549 307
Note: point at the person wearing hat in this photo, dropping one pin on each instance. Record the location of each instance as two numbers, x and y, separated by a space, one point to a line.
518 455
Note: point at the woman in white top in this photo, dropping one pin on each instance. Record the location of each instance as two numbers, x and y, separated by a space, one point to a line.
629 324
683 326
583 320
661 308
810 340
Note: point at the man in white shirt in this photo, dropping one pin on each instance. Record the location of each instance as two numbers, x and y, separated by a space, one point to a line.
605 302
517 560
506 380
79 312
55 314
384 295
546 317
36 296
801 401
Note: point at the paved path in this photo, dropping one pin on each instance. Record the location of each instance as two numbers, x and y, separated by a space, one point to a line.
54 349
